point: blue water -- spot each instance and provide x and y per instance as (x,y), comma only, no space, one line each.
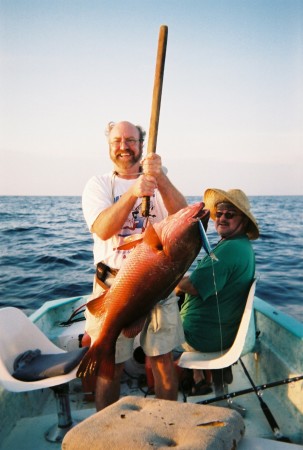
(46,251)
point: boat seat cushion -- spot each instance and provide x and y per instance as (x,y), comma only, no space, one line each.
(32,365)
(146,423)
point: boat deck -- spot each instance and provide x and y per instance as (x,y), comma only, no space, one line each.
(258,435)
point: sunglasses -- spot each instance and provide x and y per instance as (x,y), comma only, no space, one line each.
(227,215)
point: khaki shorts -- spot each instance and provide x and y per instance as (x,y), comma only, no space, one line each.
(162,331)
(185,347)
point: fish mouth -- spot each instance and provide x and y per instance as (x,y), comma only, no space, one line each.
(201,213)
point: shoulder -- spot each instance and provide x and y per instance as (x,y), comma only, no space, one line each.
(234,247)
(237,241)
(98,182)
(99,179)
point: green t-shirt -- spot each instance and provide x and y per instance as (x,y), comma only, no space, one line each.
(203,316)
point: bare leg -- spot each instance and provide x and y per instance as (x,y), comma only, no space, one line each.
(108,391)
(198,375)
(165,376)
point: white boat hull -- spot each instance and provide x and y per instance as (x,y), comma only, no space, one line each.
(277,356)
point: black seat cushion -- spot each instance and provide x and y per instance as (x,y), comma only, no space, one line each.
(32,365)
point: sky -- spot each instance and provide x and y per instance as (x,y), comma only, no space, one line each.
(232,99)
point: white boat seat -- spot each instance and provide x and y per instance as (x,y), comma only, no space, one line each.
(18,334)
(243,343)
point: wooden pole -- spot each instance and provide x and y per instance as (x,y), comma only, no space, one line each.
(156,103)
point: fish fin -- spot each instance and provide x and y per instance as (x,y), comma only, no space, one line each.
(94,363)
(152,238)
(205,218)
(97,306)
(134,328)
(88,365)
(131,242)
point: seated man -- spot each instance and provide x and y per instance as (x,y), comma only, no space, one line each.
(216,291)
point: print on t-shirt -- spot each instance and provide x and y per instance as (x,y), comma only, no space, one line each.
(135,222)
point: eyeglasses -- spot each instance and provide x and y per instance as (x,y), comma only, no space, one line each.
(130,142)
(227,215)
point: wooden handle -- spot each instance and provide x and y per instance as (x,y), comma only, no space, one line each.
(157,93)
(156,103)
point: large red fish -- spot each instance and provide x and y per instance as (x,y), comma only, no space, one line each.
(150,273)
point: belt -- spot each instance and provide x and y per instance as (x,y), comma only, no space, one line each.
(102,273)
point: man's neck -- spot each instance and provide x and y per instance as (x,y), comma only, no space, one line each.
(231,236)
(128,174)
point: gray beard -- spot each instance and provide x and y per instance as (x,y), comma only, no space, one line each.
(121,164)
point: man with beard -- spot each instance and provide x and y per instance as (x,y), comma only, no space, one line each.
(112,209)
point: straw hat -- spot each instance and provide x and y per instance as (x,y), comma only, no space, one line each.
(237,197)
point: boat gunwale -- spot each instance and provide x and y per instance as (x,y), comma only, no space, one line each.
(53,304)
(289,323)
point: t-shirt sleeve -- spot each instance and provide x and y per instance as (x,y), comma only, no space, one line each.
(211,276)
(96,197)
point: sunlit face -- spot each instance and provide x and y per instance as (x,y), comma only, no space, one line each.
(124,146)
(230,221)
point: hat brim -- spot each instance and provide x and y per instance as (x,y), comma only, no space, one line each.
(214,196)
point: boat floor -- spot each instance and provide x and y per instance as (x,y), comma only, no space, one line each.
(28,434)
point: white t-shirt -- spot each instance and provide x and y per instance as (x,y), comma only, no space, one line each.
(101,192)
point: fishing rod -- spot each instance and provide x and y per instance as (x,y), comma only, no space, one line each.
(156,102)
(258,390)
(267,412)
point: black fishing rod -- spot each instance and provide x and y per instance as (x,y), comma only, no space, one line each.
(267,412)
(261,387)
(258,389)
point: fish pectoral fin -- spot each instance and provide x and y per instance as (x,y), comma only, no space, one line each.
(97,305)
(88,365)
(134,328)
(96,362)
(131,242)
(152,238)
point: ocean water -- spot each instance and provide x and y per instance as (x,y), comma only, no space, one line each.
(46,251)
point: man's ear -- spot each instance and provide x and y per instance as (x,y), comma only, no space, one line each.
(245,222)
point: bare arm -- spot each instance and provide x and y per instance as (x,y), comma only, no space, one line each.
(186,286)
(110,221)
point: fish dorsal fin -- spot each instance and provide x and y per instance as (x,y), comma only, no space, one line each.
(97,306)
(131,242)
(152,238)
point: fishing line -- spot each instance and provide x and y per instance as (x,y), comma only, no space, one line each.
(219,315)
(218,308)
(213,258)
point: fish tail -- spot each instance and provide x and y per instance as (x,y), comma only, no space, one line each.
(97,362)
